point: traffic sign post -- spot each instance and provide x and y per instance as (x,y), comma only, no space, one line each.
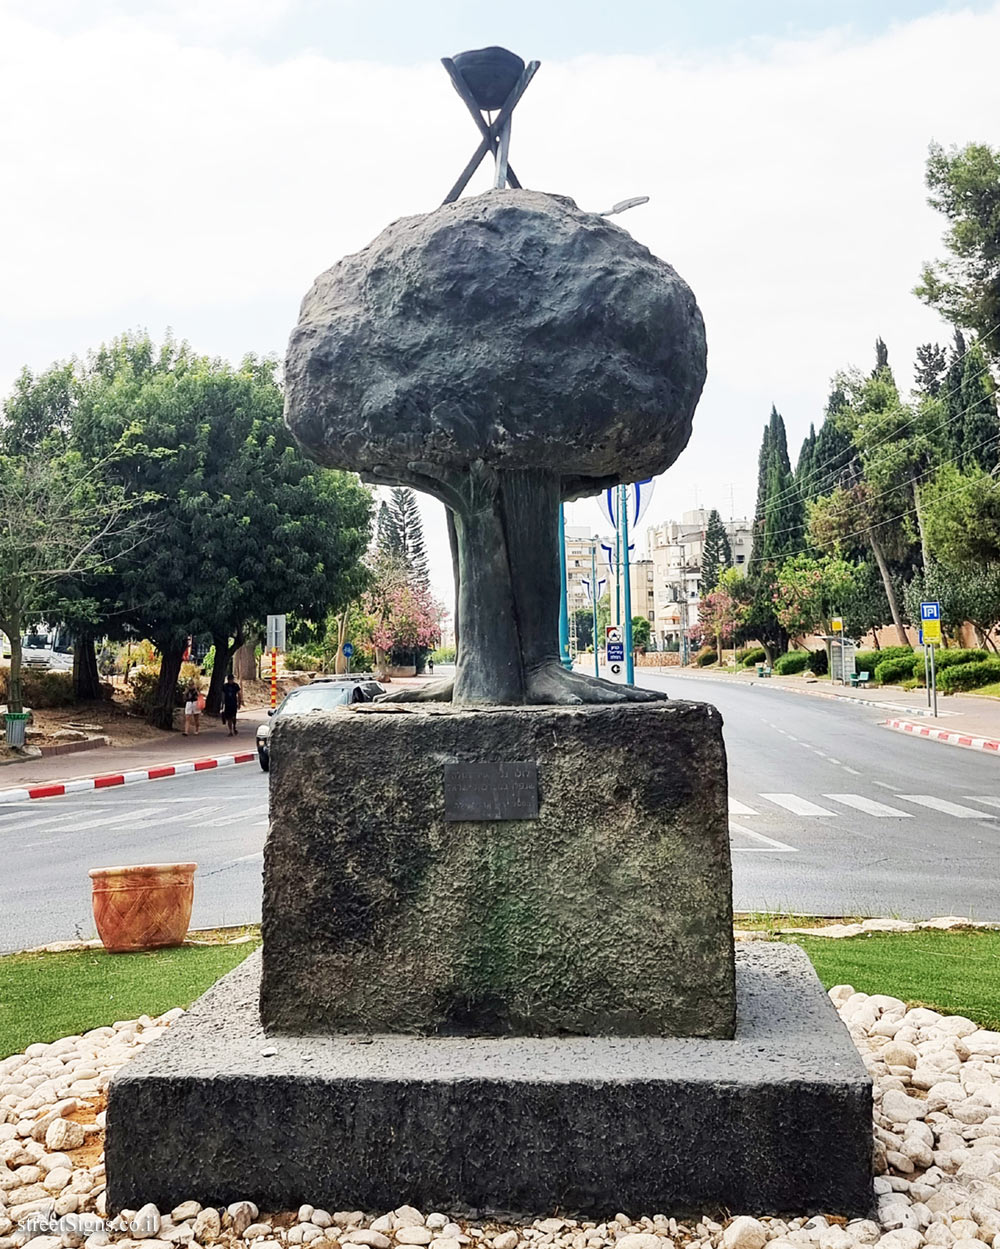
(275,643)
(347,650)
(614,651)
(930,632)
(837,627)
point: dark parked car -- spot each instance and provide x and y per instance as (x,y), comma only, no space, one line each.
(323,694)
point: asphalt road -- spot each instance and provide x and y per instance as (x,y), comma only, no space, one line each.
(830,814)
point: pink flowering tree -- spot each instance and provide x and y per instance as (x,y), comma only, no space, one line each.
(724,609)
(400,613)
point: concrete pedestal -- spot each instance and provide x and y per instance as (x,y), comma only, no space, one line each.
(777,1119)
(610,913)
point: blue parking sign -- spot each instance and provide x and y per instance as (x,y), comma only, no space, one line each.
(930,611)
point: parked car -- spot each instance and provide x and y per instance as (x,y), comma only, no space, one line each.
(323,694)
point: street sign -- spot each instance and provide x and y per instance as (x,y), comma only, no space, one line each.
(276,633)
(348,649)
(931,632)
(614,648)
(837,624)
(930,611)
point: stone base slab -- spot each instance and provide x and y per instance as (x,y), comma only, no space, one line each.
(778,1119)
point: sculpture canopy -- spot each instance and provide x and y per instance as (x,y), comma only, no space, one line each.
(503,352)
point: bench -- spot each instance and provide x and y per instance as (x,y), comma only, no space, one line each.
(859,680)
(763,670)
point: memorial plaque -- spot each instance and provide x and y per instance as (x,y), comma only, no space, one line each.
(491,791)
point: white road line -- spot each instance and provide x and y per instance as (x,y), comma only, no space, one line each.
(832,760)
(238,817)
(738,808)
(103,821)
(31,822)
(990,802)
(945,807)
(797,805)
(869,806)
(853,771)
(768,845)
(185,817)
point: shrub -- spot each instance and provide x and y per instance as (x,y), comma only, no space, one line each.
(41,689)
(956,655)
(705,657)
(868,661)
(818,663)
(893,671)
(446,654)
(302,661)
(791,663)
(143,684)
(969,676)
(190,674)
(751,655)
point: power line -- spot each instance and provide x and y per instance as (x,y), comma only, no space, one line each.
(933,468)
(796,486)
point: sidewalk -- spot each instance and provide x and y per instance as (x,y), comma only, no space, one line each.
(959,715)
(167,748)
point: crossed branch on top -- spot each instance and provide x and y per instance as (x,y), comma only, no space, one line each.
(489,79)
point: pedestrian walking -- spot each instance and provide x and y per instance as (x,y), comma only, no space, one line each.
(232,701)
(192,712)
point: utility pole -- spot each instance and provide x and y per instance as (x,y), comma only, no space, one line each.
(629,659)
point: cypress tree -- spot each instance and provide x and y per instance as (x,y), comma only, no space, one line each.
(716,553)
(386,534)
(980,428)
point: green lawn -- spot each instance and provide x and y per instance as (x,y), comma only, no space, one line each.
(957,973)
(46,996)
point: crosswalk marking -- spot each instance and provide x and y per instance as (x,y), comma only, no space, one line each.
(766,845)
(946,807)
(738,808)
(869,806)
(236,818)
(185,817)
(797,805)
(990,802)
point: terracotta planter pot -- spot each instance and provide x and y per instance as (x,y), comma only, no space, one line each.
(144,907)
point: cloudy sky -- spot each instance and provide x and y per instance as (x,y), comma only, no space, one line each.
(194,164)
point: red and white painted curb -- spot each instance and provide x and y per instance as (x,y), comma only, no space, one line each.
(942,735)
(57,788)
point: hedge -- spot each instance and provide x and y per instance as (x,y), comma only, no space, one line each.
(705,657)
(893,671)
(969,676)
(868,661)
(794,661)
(751,655)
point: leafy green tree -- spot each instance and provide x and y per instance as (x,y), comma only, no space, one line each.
(246,525)
(808,592)
(641,630)
(716,554)
(584,618)
(59,521)
(964,185)
(972,594)
(963,518)
(864,607)
(839,519)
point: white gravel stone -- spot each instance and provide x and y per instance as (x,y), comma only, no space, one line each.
(366,1236)
(408,1216)
(745,1233)
(639,1240)
(506,1240)
(207,1225)
(413,1235)
(64,1134)
(900,1108)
